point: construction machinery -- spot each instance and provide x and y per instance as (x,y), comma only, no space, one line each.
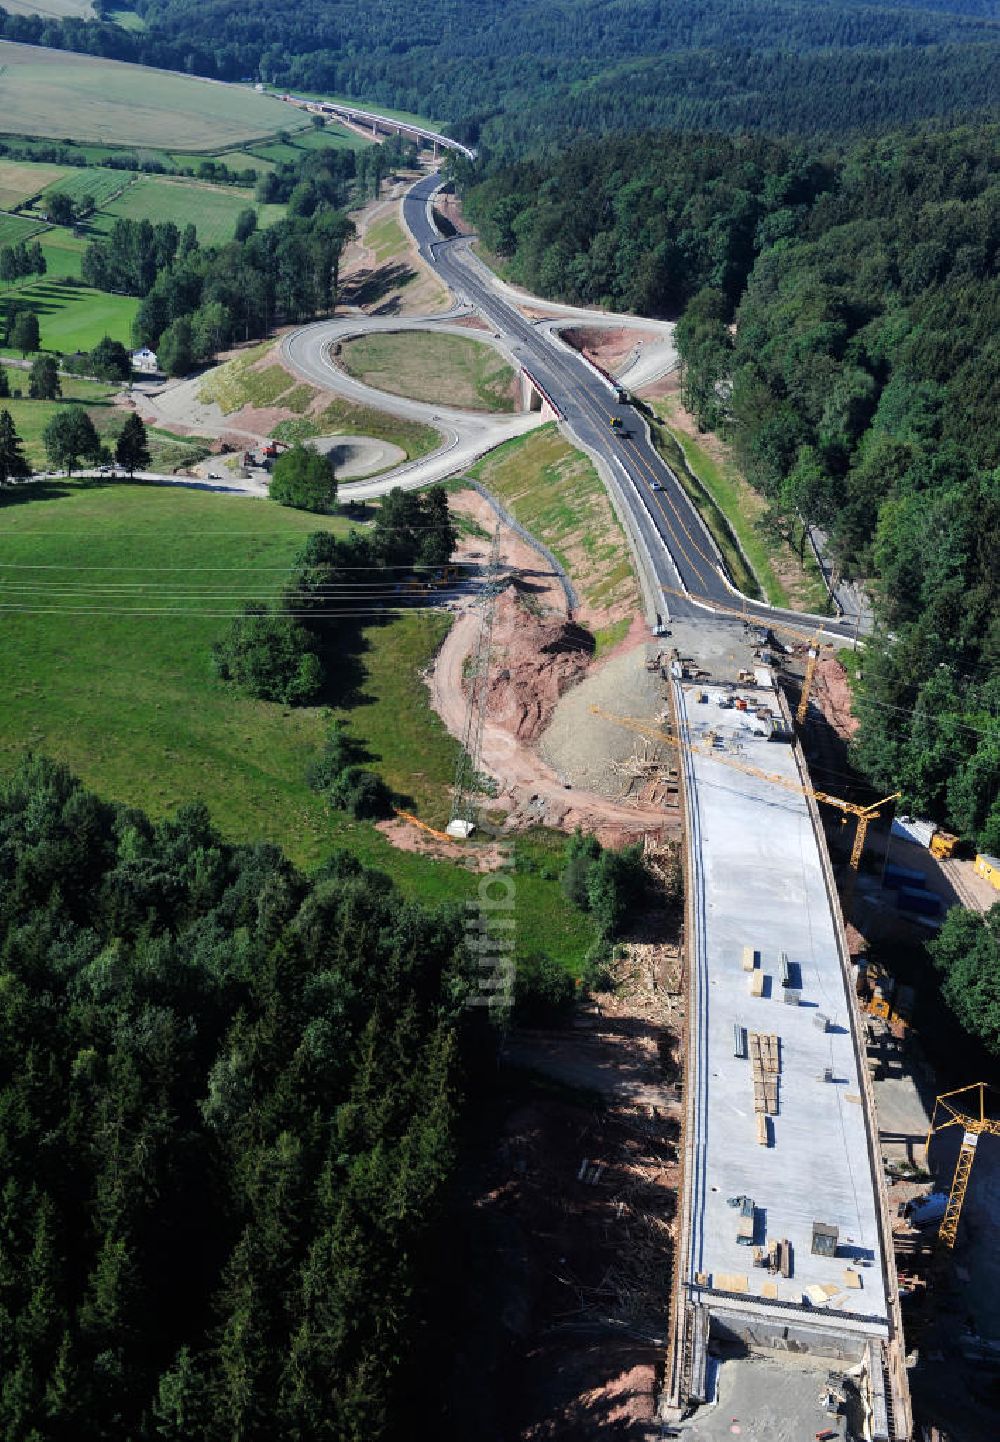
(863,815)
(812,638)
(964,1107)
(881,996)
(943,845)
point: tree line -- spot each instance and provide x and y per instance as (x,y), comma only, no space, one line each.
(839,312)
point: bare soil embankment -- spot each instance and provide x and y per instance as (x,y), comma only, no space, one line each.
(538,657)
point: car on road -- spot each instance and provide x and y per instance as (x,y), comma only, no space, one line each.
(656,485)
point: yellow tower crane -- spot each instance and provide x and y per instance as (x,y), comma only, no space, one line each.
(863,814)
(813,638)
(974,1123)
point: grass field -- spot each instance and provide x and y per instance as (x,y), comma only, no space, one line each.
(73,317)
(14,228)
(733,512)
(54,9)
(131,703)
(331,137)
(212,209)
(31,417)
(332,134)
(21,179)
(554,491)
(63,252)
(243,381)
(446,370)
(128,20)
(245,160)
(55,93)
(94,184)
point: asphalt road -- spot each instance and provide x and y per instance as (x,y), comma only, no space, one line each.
(668,530)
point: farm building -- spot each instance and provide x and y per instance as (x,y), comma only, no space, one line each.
(145,362)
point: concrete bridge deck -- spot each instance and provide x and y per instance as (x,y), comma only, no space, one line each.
(762,910)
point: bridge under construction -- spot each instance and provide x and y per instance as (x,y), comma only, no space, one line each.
(785,1240)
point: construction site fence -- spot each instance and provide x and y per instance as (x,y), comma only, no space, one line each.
(507,519)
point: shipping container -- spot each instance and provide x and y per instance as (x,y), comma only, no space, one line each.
(897,876)
(924,903)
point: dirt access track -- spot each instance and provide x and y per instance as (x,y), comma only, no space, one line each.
(537,655)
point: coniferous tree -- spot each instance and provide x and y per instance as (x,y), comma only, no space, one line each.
(13,462)
(132,445)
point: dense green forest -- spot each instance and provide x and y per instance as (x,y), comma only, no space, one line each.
(840,314)
(516,76)
(228,1108)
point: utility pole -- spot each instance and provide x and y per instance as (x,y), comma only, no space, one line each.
(463,807)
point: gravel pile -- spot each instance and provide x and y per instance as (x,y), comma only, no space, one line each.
(581,746)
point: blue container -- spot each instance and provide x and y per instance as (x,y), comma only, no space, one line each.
(897,876)
(924,903)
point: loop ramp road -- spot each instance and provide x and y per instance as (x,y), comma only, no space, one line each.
(677,557)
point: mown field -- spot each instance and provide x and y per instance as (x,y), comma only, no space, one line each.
(20,180)
(211,209)
(94,184)
(55,93)
(57,9)
(107,667)
(72,316)
(13,228)
(447,370)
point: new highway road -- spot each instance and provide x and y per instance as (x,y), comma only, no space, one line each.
(668,531)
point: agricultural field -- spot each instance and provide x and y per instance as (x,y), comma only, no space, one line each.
(212,209)
(55,93)
(448,370)
(73,317)
(63,252)
(161,730)
(54,9)
(93,183)
(22,179)
(554,490)
(14,228)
